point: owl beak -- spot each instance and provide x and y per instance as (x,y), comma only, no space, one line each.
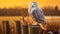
(32,6)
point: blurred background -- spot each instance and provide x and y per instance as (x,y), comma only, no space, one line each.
(17,10)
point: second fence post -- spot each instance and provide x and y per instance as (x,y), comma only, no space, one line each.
(25,29)
(18,27)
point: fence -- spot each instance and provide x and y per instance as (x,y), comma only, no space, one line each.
(20,29)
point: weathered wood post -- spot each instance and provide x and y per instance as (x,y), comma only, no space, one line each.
(6,27)
(18,27)
(35,29)
(25,29)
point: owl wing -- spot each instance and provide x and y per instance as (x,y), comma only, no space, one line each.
(38,16)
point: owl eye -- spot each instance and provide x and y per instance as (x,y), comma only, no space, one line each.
(34,4)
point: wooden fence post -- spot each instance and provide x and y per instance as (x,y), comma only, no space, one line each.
(18,27)
(25,29)
(6,27)
(35,29)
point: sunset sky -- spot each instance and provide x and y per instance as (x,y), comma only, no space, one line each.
(24,3)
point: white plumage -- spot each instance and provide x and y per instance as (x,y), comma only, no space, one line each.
(36,13)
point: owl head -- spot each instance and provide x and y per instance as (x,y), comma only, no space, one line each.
(33,4)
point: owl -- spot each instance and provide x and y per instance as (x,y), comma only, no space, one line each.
(36,13)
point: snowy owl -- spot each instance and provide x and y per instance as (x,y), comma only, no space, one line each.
(36,13)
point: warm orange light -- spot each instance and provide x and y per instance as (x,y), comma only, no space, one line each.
(24,3)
